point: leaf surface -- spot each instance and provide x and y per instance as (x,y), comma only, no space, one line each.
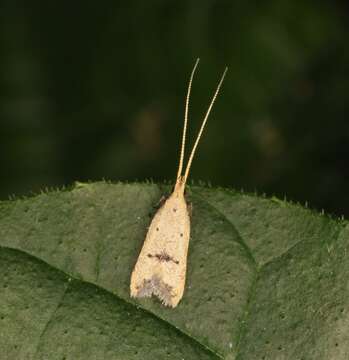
(266,279)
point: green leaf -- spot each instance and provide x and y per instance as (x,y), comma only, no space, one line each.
(266,279)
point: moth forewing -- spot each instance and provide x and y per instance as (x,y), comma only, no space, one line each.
(162,263)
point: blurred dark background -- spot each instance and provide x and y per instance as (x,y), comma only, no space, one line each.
(92,90)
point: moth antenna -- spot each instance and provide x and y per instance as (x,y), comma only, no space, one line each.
(203,126)
(180,167)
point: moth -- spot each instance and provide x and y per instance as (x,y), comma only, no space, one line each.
(162,263)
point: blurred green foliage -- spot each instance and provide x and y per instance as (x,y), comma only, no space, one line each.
(96,90)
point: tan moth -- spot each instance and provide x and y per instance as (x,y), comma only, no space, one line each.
(162,263)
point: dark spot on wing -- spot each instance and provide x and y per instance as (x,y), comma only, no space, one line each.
(163,257)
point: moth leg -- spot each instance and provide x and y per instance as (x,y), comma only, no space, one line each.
(157,206)
(160,202)
(190,209)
